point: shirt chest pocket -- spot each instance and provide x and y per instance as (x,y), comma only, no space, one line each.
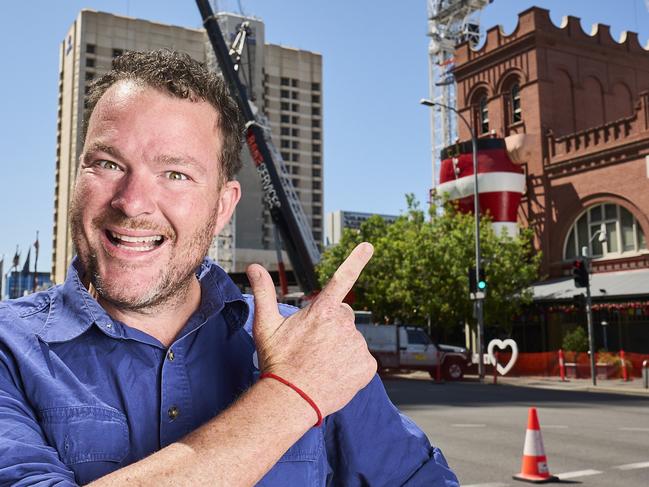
(303,464)
(83,434)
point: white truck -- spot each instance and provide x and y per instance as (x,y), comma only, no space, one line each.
(403,347)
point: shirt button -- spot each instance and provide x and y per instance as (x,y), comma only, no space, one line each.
(170,355)
(173,412)
(109,325)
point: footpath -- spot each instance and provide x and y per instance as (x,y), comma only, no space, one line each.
(609,386)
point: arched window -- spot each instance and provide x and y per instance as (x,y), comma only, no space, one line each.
(483,115)
(515,103)
(623,233)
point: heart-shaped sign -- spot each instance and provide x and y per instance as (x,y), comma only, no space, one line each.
(502,344)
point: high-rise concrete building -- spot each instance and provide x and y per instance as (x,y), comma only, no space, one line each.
(284,82)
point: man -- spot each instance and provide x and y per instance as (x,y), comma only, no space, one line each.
(142,368)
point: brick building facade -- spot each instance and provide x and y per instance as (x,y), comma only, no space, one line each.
(582,101)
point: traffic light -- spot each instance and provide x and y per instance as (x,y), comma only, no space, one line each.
(579,301)
(480,284)
(580,273)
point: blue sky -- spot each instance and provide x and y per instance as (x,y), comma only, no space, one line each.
(376,135)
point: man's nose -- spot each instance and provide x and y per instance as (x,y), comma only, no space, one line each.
(135,195)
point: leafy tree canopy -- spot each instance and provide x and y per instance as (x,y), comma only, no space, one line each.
(420,267)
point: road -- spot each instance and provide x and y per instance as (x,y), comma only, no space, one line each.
(592,439)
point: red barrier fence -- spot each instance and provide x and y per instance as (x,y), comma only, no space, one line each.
(576,364)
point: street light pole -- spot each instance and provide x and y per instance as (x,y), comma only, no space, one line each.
(585,252)
(479,300)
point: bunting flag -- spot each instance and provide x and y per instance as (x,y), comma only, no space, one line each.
(16,260)
(36,246)
(26,266)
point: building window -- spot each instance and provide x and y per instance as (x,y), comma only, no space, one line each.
(90,48)
(623,233)
(315,135)
(285,144)
(295,132)
(315,98)
(316,148)
(316,198)
(295,144)
(315,123)
(89,76)
(286,156)
(286,119)
(295,107)
(295,170)
(296,183)
(90,62)
(295,95)
(294,83)
(285,131)
(284,82)
(117,52)
(315,86)
(515,101)
(316,159)
(315,111)
(285,105)
(284,93)
(483,115)
(315,185)
(295,158)
(295,120)
(316,173)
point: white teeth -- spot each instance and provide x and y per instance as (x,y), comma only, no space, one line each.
(137,249)
(125,238)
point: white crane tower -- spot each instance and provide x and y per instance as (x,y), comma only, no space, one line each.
(450,22)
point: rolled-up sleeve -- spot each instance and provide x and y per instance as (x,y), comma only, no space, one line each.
(369,442)
(25,456)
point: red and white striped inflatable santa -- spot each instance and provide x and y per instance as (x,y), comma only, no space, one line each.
(501,182)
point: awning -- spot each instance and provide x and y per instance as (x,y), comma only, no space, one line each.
(604,285)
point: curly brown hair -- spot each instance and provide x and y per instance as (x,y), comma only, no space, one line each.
(181,76)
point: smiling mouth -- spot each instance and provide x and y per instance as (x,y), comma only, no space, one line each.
(143,243)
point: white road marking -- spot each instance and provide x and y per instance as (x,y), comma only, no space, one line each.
(555,426)
(633,429)
(493,484)
(632,466)
(578,473)
(469,425)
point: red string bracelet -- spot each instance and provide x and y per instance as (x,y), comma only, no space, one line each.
(303,394)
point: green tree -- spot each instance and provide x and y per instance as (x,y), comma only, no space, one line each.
(420,267)
(576,340)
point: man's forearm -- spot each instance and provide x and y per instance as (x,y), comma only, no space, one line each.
(236,448)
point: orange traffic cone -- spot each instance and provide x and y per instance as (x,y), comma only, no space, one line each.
(534,467)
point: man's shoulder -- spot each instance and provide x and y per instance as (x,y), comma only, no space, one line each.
(26,315)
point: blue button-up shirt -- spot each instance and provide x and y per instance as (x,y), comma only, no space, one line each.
(82,395)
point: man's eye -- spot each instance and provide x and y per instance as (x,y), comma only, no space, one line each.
(177,176)
(110,165)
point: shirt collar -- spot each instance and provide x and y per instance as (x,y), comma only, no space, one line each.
(73,310)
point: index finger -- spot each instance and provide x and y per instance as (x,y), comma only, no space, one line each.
(346,275)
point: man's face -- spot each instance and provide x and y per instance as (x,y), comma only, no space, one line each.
(149,195)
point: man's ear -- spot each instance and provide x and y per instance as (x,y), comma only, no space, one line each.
(228,199)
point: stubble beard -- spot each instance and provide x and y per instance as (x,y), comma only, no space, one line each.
(174,278)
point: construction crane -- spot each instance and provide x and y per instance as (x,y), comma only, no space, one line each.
(450,22)
(279,195)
